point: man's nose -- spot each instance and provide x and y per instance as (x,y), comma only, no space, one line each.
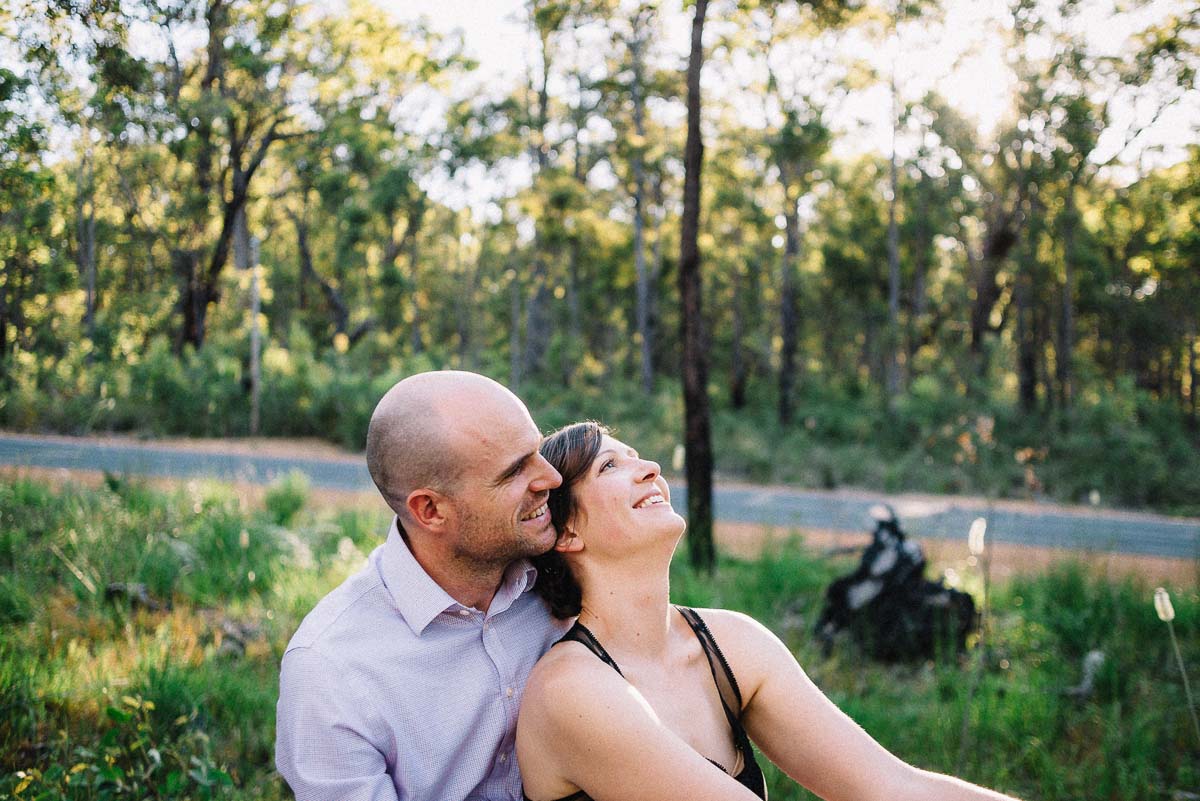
(547,479)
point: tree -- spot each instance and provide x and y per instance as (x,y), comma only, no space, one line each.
(26,218)
(697,427)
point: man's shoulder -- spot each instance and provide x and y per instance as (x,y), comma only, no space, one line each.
(354,609)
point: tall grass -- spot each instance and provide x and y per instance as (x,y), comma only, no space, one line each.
(104,696)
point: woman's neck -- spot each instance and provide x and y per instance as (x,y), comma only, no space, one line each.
(628,612)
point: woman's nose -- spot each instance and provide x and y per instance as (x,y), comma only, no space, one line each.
(650,470)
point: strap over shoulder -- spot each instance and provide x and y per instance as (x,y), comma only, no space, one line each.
(731,696)
(582,634)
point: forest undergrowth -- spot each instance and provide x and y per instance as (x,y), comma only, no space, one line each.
(141,632)
(1117,447)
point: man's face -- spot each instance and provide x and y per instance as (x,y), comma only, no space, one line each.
(501,494)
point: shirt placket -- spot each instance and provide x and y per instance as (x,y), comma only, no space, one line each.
(506,689)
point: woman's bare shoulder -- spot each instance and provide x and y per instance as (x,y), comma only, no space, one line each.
(568,676)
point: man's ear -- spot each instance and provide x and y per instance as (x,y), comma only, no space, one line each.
(568,542)
(427,507)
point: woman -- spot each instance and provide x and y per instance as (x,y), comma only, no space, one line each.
(644,700)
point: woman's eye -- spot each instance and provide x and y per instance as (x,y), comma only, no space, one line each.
(607,464)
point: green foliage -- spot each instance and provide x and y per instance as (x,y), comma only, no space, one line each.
(286,497)
(366,277)
(1130,740)
(120,700)
(16,606)
(111,702)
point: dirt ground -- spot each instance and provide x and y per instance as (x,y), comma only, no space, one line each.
(739,539)
(1007,560)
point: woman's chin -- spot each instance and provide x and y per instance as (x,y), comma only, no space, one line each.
(676,527)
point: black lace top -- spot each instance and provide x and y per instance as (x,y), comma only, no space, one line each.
(751,775)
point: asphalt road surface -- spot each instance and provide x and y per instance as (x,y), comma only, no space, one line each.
(1042,525)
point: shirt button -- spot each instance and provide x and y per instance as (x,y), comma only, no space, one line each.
(464,612)
(504,757)
(508,691)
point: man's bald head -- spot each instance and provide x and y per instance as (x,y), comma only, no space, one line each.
(416,432)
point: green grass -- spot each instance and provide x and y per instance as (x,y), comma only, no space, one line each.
(107,699)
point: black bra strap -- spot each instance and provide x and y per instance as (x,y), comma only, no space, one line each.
(727,687)
(582,634)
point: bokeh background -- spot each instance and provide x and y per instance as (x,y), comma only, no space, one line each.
(945,247)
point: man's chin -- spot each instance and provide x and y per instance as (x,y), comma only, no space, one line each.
(540,539)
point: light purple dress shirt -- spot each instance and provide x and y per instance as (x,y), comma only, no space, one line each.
(391,689)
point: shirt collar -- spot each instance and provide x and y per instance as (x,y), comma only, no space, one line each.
(420,599)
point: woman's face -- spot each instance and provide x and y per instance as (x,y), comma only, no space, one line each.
(624,495)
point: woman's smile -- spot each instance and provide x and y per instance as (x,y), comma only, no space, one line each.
(653,499)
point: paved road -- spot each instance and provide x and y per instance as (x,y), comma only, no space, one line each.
(940,517)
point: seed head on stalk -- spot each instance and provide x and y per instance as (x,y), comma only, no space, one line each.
(1166,613)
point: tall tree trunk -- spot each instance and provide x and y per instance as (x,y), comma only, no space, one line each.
(85,221)
(1066,321)
(656,271)
(414,266)
(5,279)
(515,353)
(195,293)
(698,436)
(1193,371)
(892,354)
(920,293)
(639,210)
(536,306)
(1000,237)
(737,356)
(466,322)
(869,357)
(1044,335)
(537,320)
(789,304)
(245,257)
(1026,352)
(1026,334)
(194,297)
(573,347)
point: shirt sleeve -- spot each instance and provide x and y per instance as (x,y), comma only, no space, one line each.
(323,745)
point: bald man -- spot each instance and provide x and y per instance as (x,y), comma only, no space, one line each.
(405,681)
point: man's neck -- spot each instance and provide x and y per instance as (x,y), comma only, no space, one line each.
(473,585)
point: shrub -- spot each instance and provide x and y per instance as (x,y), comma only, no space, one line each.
(286,496)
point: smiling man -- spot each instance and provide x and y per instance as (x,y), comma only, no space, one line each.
(405,681)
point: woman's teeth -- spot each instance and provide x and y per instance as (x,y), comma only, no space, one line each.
(652,500)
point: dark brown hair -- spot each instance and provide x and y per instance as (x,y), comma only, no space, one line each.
(571,450)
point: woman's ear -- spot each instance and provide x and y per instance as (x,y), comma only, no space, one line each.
(568,542)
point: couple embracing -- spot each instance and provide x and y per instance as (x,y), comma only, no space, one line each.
(513,637)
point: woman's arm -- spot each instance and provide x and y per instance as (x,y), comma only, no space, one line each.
(806,735)
(583,727)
